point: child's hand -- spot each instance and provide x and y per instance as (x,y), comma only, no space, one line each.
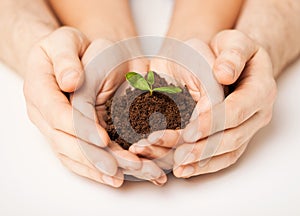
(191,65)
(102,80)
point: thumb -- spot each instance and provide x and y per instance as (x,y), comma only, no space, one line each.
(65,48)
(233,50)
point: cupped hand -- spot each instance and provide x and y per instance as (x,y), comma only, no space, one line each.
(218,135)
(55,69)
(190,64)
(246,66)
(106,65)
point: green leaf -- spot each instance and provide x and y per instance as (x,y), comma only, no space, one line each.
(137,81)
(150,77)
(168,89)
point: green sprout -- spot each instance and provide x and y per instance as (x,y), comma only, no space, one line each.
(139,82)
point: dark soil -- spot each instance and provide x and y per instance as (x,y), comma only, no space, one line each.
(136,114)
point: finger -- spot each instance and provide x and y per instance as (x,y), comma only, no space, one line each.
(236,109)
(56,109)
(125,159)
(77,150)
(150,151)
(203,105)
(166,162)
(209,166)
(228,141)
(84,153)
(102,115)
(232,49)
(165,138)
(82,170)
(149,171)
(65,47)
(40,89)
(162,156)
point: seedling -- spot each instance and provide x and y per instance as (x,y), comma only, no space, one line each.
(139,82)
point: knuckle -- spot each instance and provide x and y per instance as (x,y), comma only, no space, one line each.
(225,34)
(237,54)
(236,115)
(67,31)
(237,141)
(66,55)
(267,90)
(239,115)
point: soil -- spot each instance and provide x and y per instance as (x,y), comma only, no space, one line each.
(136,114)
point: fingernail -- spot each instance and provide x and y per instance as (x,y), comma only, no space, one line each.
(187,171)
(108,180)
(226,69)
(67,76)
(191,134)
(161,180)
(143,142)
(150,175)
(136,148)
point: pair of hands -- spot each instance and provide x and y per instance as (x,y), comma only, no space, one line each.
(55,65)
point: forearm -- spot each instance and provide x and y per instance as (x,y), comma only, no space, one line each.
(22,24)
(275,25)
(109,19)
(203,19)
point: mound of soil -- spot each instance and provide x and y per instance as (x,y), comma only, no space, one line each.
(136,114)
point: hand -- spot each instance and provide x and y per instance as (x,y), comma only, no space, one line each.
(204,89)
(54,67)
(102,80)
(243,63)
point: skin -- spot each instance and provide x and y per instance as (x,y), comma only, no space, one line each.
(49,60)
(94,11)
(114,28)
(97,19)
(203,19)
(251,58)
(259,58)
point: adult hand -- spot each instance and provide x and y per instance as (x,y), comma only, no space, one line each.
(54,67)
(102,80)
(242,62)
(244,111)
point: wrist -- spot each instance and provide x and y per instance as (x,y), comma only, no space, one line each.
(113,32)
(198,19)
(24,36)
(186,32)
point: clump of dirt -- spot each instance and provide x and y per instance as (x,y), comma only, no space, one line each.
(136,114)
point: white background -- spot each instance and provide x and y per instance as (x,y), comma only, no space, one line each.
(265,181)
